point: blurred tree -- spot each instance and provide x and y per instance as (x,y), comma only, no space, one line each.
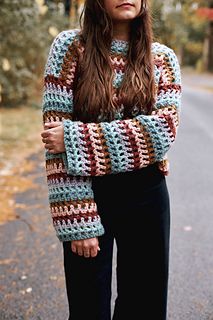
(74,13)
(210,56)
(70,8)
(76,8)
(208,42)
(27,28)
(67,6)
(177,25)
(18,51)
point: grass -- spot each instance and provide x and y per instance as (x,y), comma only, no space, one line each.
(20,130)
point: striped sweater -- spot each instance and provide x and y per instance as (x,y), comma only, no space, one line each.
(105,147)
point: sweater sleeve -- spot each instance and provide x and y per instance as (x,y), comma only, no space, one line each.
(125,145)
(71,199)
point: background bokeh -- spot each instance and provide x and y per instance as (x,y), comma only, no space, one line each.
(27,28)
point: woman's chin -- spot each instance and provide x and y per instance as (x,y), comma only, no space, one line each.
(125,16)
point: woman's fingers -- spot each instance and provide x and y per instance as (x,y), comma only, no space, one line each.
(80,252)
(52,124)
(77,248)
(53,137)
(73,247)
(86,253)
(87,247)
(94,252)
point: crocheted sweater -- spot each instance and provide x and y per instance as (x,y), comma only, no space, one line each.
(102,148)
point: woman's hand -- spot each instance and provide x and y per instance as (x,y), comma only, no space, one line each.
(53,137)
(87,247)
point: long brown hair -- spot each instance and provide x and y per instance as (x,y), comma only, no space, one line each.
(93,90)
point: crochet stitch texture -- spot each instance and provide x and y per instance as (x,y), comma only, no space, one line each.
(106,147)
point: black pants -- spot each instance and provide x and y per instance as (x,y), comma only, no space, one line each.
(135,211)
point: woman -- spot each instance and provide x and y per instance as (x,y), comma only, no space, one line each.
(111,112)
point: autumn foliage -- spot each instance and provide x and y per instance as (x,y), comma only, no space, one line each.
(206,13)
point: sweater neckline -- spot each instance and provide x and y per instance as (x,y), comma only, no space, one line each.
(120,41)
(119,46)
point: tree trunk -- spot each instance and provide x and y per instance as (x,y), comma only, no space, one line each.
(210,52)
(208,44)
(76,6)
(67,7)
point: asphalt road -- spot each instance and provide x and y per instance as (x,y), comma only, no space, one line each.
(32,283)
(191,192)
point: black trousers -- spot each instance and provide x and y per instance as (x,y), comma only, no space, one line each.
(135,211)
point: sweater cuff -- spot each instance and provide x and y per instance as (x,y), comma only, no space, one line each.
(72,159)
(78,230)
